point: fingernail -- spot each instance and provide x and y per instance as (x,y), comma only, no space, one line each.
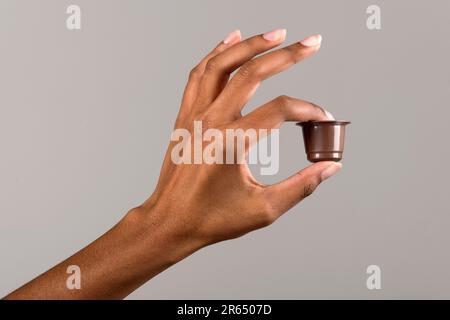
(312,41)
(233,37)
(277,34)
(331,170)
(329,115)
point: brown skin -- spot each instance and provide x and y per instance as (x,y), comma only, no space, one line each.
(197,205)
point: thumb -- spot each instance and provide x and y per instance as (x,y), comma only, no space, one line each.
(287,193)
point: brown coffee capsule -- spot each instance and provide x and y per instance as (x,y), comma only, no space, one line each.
(324,140)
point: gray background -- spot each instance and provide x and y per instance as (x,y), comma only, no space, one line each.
(85,117)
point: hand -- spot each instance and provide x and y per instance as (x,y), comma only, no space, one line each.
(195,205)
(207,203)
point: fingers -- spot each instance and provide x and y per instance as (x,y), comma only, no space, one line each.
(283,108)
(286,194)
(191,90)
(219,68)
(242,86)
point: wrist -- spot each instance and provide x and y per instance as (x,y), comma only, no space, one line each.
(159,237)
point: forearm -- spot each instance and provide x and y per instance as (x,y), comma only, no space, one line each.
(135,250)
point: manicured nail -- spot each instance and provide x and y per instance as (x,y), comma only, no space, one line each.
(233,37)
(331,170)
(329,115)
(312,41)
(277,34)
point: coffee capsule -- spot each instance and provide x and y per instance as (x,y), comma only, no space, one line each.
(324,140)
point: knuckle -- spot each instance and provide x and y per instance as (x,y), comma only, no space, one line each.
(195,72)
(252,44)
(267,215)
(248,70)
(266,218)
(308,189)
(283,103)
(283,100)
(263,215)
(212,65)
(294,54)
